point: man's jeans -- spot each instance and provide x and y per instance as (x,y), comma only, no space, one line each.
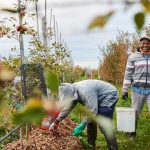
(92,129)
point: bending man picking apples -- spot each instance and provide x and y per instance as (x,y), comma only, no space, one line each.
(98,97)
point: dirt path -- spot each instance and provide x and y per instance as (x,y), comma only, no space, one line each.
(60,139)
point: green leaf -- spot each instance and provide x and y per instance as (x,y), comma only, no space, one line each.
(100,21)
(146,5)
(32,112)
(52,82)
(139,20)
(29,116)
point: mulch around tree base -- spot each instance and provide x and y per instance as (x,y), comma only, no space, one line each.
(60,139)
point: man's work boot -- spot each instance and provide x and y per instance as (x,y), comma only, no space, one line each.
(112,143)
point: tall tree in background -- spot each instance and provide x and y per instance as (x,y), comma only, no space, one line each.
(114,58)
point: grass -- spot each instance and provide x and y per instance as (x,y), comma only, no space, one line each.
(141,142)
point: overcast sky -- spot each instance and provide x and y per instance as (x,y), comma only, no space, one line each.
(73,17)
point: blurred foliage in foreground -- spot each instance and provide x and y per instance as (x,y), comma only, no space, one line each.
(139,17)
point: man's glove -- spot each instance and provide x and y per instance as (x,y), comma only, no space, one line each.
(53,126)
(78,130)
(125,96)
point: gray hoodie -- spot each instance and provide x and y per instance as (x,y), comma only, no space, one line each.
(90,93)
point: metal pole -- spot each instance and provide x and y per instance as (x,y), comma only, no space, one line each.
(45,10)
(45,25)
(21,35)
(37,18)
(54,31)
(21,139)
(23,86)
(50,28)
(44,29)
(7,135)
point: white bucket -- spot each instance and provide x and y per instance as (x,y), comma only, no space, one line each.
(125,119)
